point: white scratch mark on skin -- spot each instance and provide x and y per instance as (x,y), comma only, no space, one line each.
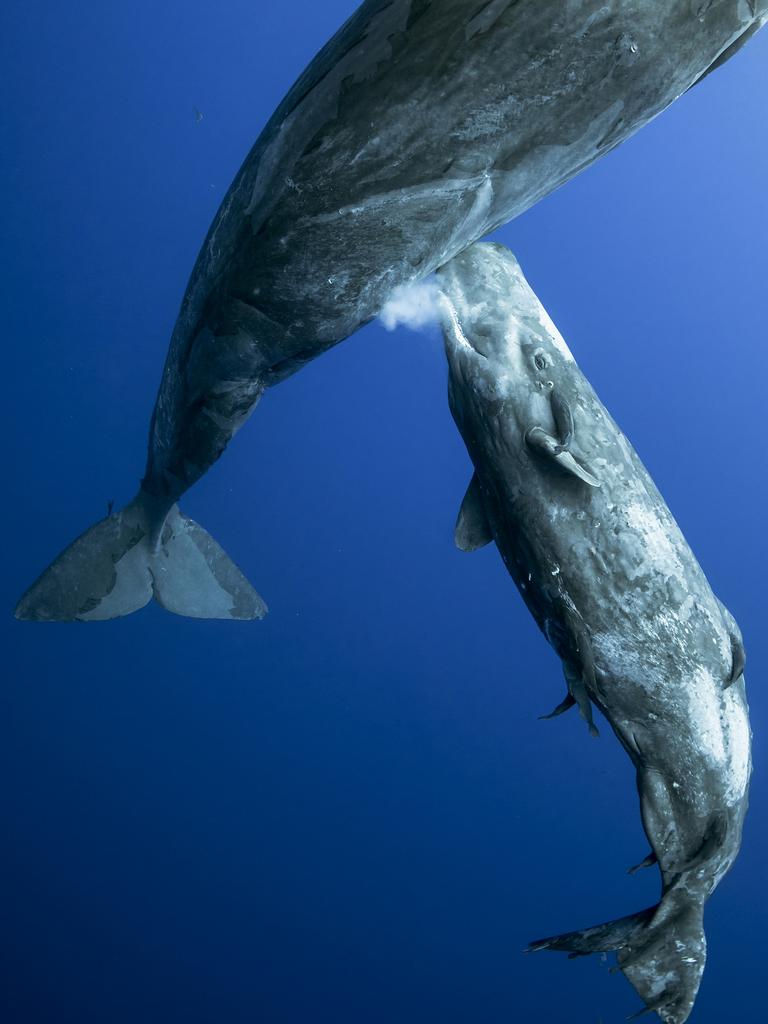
(453,320)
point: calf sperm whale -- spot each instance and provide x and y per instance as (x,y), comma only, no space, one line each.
(421,126)
(617,592)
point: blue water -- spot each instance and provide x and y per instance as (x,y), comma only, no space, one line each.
(348,813)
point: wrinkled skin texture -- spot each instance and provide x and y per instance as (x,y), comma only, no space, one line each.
(613,585)
(421,126)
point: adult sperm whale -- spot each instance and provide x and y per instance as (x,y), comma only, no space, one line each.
(421,126)
(611,582)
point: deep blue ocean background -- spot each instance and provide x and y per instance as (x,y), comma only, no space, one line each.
(348,813)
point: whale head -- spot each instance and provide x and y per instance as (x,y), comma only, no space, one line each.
(499,339)
(513,384)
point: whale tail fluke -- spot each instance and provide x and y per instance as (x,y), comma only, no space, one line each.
(194,576)
(661,951)
(125,560)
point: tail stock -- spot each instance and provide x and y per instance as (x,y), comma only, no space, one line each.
(661,951)
(121,562)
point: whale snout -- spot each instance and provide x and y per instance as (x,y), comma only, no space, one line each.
(491,311)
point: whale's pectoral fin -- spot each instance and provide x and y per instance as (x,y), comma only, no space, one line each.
(578,689)
(648,862)
(739,658)
(566,704)
(738,654)
(472,529)
(657,1006)
(119,564)
(544,444)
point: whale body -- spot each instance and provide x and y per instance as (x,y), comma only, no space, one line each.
(421,126)
(617,592)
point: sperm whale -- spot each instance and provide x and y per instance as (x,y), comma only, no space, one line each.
(421,126)
(614,587)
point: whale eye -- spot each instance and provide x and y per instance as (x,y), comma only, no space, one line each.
(540,361)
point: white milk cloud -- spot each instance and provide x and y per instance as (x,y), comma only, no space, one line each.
(412,305)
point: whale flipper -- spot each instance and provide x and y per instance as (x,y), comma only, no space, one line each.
(647,862)
(121,562)
(566,704)
(738,654)
(472,529)
(577,687)
(661,951)
(544,444)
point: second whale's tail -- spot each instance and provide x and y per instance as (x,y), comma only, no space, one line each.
(123,561)
(661,951)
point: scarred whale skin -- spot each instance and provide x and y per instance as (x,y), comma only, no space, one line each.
(421,126)
(613,585)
